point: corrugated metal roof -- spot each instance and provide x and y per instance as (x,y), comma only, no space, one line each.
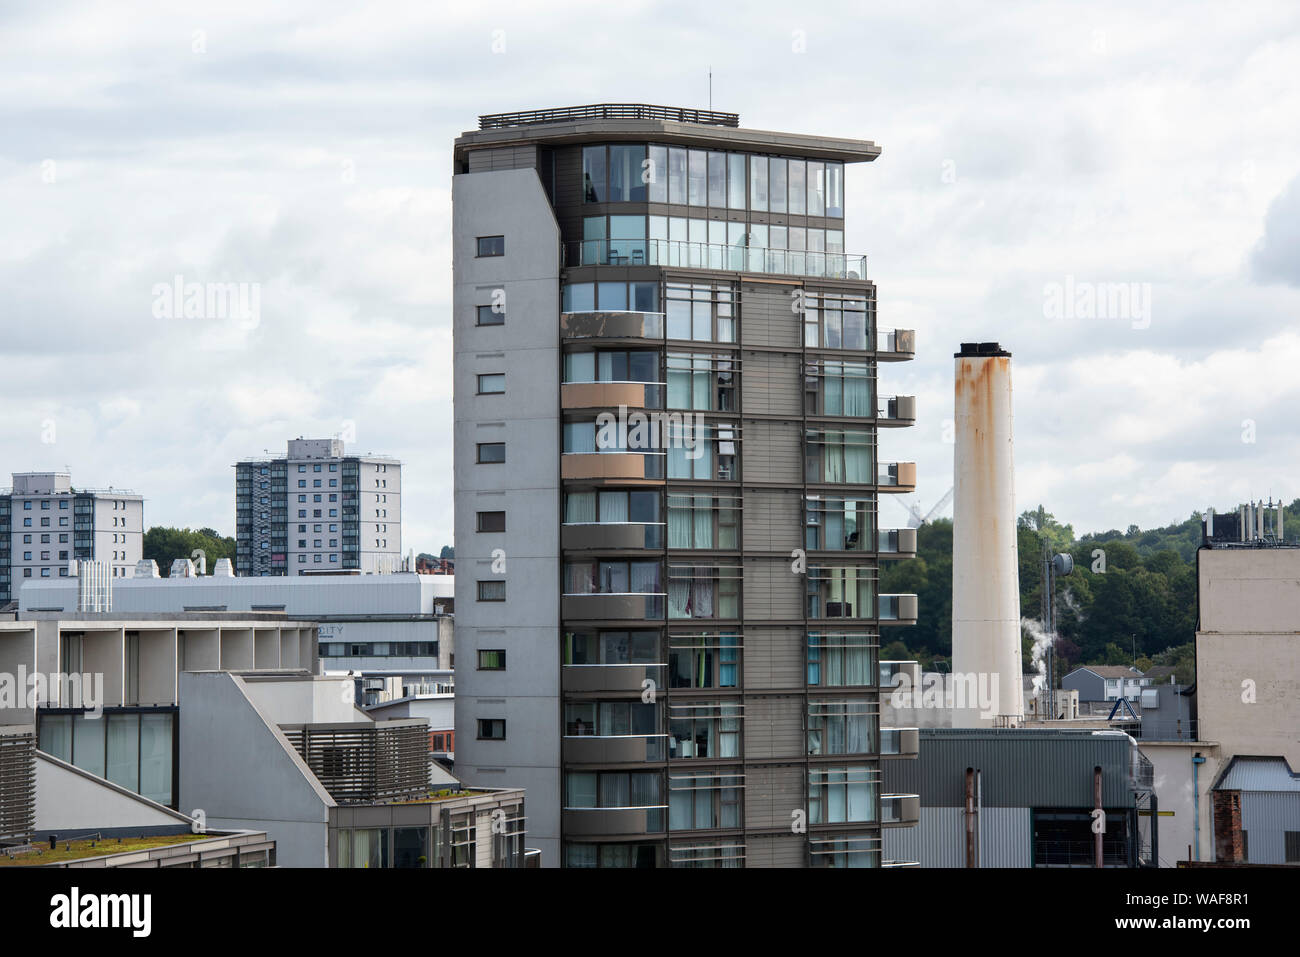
(1023,767)
(1259,774)
(939,838)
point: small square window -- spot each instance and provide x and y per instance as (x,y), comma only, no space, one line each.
(492,590)
(492,384)
(491,521)
(491,729)
(302,559)
(491,659)
(491,316)
(491,246)
(491,453)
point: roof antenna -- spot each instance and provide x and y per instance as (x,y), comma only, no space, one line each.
(710,89)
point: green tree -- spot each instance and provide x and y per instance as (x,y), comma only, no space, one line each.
(164,545)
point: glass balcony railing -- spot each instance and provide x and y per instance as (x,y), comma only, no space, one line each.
(897,541)
(611,324)
(897,409)
(900,809)
(611,536)
(896,344)
(899,742)
(899,608)
(897,475)
(668,252)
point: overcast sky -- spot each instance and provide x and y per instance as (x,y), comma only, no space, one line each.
(306,147)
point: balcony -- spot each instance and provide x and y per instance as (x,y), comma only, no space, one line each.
(718,257)
(897,410)
(897,542)
(611,395)
(613,821)
(611,536)
(897,609)
(900,810)
(621,606)
(585,678)
(366,763)
(897,477)
(614,749)
(899,742)
(632,468)
(897,345)
(611,325)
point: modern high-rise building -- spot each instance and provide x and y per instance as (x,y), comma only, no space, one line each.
(317,510)
(667,478)
(45,523)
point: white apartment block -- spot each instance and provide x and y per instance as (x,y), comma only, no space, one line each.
(317,510)
(45,523)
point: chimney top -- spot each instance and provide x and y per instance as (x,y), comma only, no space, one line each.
(980,349)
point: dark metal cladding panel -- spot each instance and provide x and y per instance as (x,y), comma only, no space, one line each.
(1020,768)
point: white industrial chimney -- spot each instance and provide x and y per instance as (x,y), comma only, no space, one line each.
(985,572)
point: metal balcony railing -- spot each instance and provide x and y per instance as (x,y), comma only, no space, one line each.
(608,111)
(686,255)
(366,763)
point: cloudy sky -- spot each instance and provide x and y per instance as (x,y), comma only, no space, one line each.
(306,147)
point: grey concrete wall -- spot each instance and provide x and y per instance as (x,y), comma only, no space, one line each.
(69,800)
(242,772)
(526,348)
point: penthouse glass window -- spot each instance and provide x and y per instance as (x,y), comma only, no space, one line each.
(593,175)
(842,660)
(842,726)
(613,297)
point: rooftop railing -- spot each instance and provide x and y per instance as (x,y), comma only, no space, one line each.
(608,111)
(686,255)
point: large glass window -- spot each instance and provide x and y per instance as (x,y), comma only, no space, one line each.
(840,456)
(832,387)
(612,578)
(625,168)
(591,789)
(842,659)
(704,729)
(703,520)
(697,191)
(776,184)
(837,524)
(758,183)
(704,801)
(698,591)
(658,174)
(835,190)
(842,795)
(627,240)
(677,175)
(718,180)
(736,181)
(816,188)
(612,365)
(700,311)
(702,382)
(840,591)
(611,648)
(595,250)
(842,726)
(637,296)
(610,718)
(798,187)
(703,661)
(593,175)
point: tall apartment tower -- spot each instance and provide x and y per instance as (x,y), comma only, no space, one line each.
(669,635)
(45,523)
(317,510)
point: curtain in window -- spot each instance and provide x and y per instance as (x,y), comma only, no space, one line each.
(703,464)
(833,454)
(613,507)
(857,458)
(857,662)
(703,511)
(580,507)
(580,437)
(643,790)
(834,665)
(700,384)
(645,577)
(614,578)
(728,661)
(861,797)
(679,806)
(579,578)
(835,733)
(836,797)
(581,789)
(679,598)
(857,737)
(702,596)
(857,391)
(679,465)
(834,516)
(729,738)
(615,790)
(679,388)
(833,387)
(680,522)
